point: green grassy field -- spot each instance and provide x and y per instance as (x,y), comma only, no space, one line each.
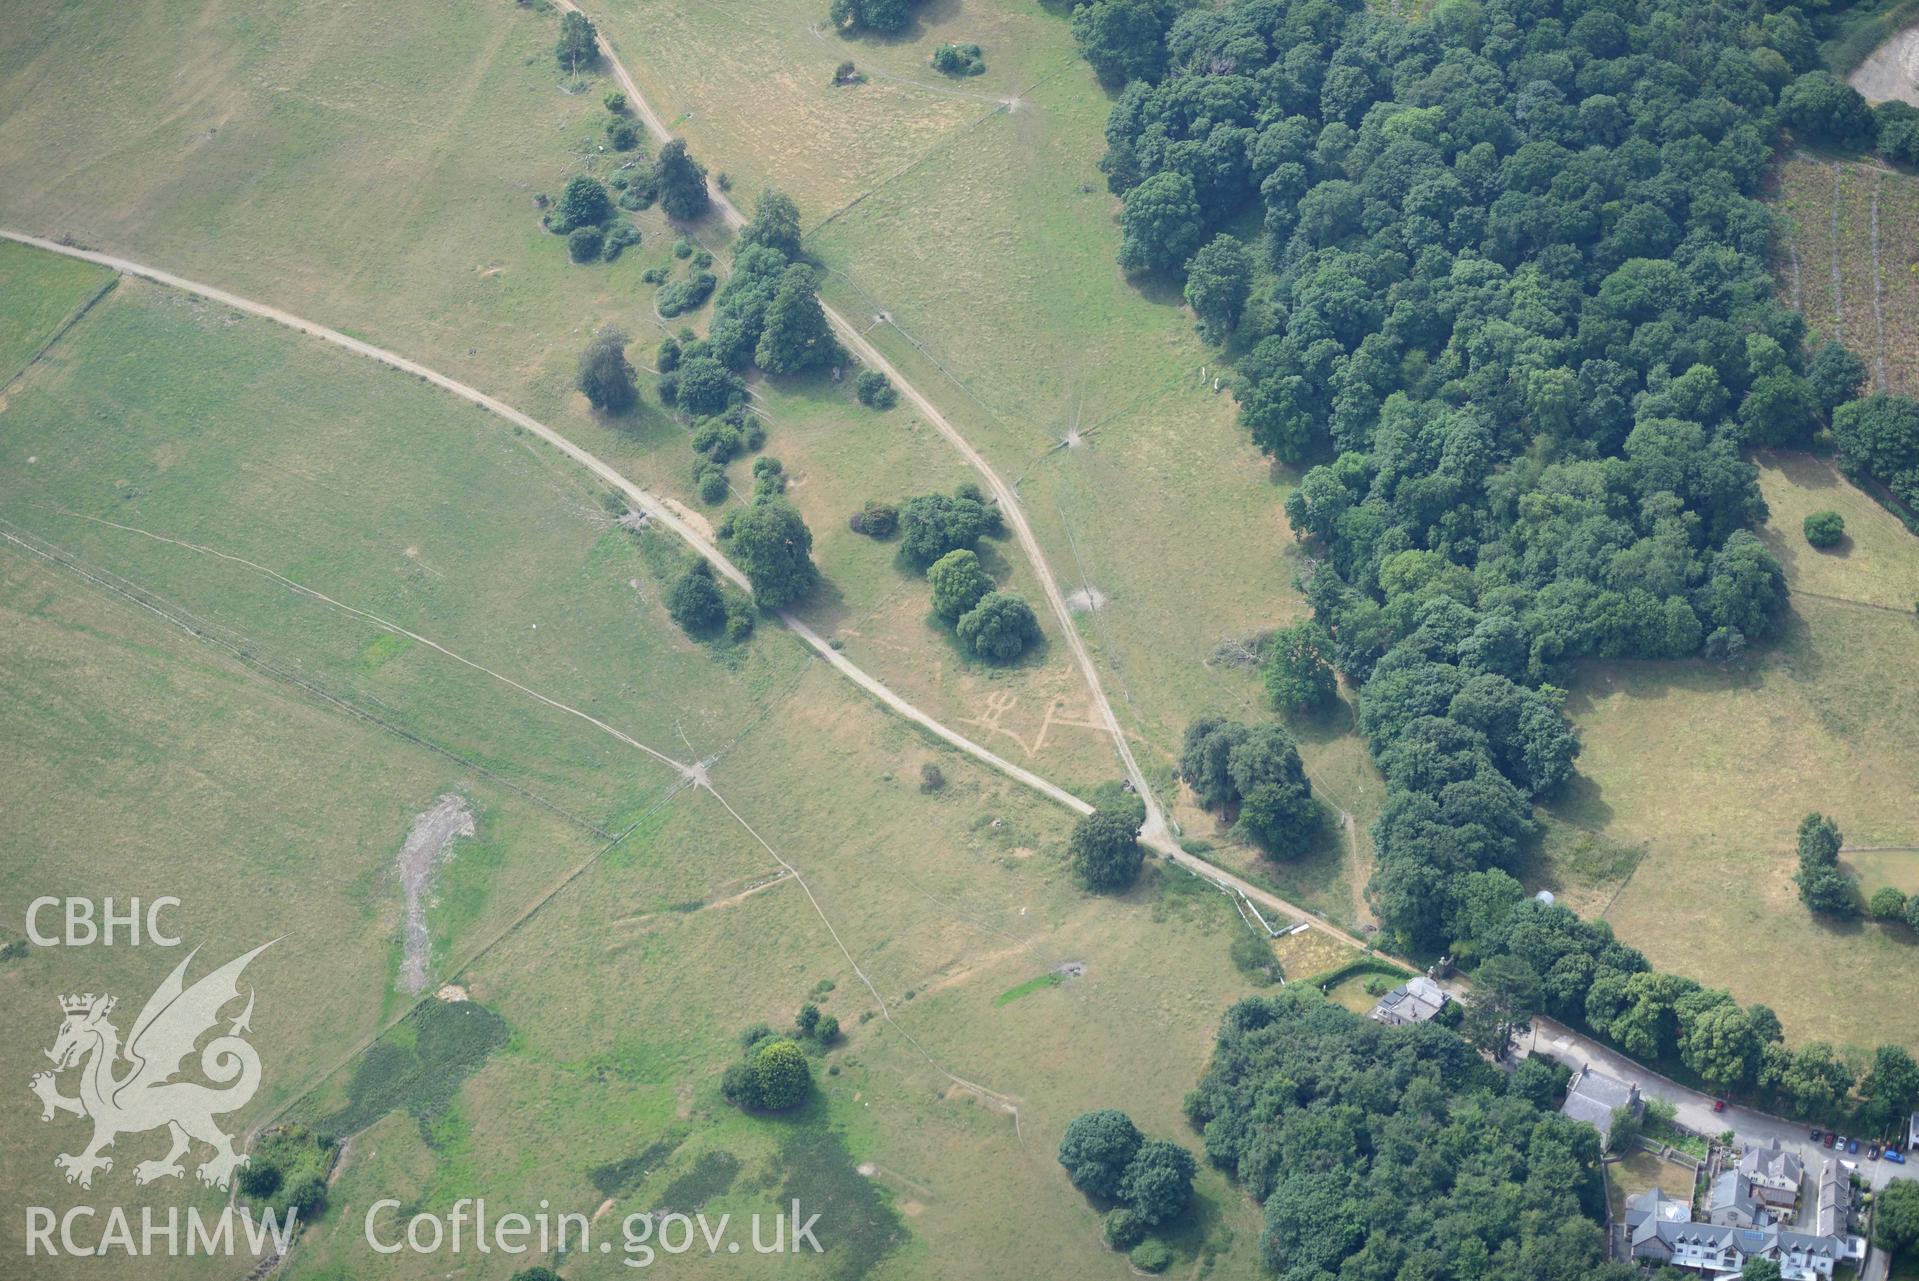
(43,292)
(1711,769)
(461,111)
(263,748)
(943,904)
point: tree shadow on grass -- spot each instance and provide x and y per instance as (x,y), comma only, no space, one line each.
(824,609)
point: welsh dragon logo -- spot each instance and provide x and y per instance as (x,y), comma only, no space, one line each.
(146,1096)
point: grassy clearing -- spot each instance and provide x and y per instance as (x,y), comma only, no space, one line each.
(38,293)
(1311,952)
(1353,994)
(751,87)
(1821,720)
(1877,564)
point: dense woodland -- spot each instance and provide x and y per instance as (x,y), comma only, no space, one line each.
(1398,1154)
(1497,280)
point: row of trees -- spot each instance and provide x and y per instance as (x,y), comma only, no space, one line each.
(1829,891)
(1537,957)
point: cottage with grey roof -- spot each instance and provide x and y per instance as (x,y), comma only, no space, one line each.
(1416,1000)
(1594,1097)
(1731,1204)
(1774,1174)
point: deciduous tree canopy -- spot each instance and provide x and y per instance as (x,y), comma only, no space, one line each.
(1395,1153)
(773,547)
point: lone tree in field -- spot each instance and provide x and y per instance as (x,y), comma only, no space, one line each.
(779,1066)
(1000,627)
(1822,885)
(695,601)
(680,181)
(1096,1149)
(1219,280)
(605,379)
(875,390)
(576,48)
(1105,851)
(1825,529)
(959,582)
(774,547)
(796,337)
(775,224)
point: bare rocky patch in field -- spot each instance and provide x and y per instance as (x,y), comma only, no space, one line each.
(428,845)
(1890,71)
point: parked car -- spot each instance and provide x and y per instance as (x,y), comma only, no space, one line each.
(1895,1156)
(1872,1153)
(1719,1105)
(1828,1140)
(1817,1135)
(1852,1145)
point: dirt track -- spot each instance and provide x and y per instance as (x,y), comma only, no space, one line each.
(1156,833)
(654,507)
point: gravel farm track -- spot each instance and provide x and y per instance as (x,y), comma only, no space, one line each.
(658,510)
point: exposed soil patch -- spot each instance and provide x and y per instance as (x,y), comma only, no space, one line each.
(427,846)
(1890,71)
(1086,598)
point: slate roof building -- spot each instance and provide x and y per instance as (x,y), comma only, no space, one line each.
(1731,1204)
(1773,1173)
(1834,1207)
(1661,1229)
(1593,1097)
(1414,1001)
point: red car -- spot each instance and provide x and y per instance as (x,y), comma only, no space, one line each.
(1719,1105)
(1828,1140)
